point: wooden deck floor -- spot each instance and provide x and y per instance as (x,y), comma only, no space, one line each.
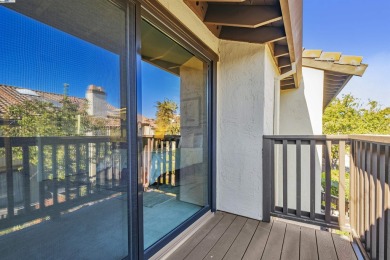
(228,236)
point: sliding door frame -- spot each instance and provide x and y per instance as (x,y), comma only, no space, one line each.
(158,16)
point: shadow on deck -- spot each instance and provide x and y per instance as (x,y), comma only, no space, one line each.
(228,236)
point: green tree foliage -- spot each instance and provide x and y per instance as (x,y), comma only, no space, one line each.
(167,121)
(40,118)
(348,115)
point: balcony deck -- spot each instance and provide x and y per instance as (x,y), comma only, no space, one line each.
(228,236)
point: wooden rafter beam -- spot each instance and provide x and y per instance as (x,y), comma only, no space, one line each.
(284,62)
(257,35)
(242,15)
(334,67)
(286,82)
(280,50)
(225,1)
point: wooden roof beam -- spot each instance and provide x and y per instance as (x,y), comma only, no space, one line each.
(242,15)
(284,62)
(225,1)
(333,67)
(257,35)
(280,50)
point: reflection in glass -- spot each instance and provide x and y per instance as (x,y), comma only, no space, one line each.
(174,128)
(63,168)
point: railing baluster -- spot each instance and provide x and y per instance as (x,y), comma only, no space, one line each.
(285,186)
(97,158)
(106,179)
(171,178)
(272,173)
(299,170)
(55,173)
(78,161)
(10,177)
(312,178)
(362,190)
(41,174)
(67,175)
(328,167)
(387,203)
(372,170)
(381,205)
(87,173)
(341,205)
(352,184)
(370,155)
(26,179)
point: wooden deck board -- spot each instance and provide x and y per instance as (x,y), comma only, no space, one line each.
(201,250)
(222,246)
(195,239)
(325,245)
(290,249)
(274,246)
(308,244)
(256,247)
(228,236)
(239,246)
(343,248)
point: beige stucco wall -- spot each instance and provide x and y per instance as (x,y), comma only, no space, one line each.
(245,99)
(301,114)
(245,112)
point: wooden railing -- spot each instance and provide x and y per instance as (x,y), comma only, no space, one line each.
(160,158)
(370,170)
(315,146)
(44,176)
(367,172)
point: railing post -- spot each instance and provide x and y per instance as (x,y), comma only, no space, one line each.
(299,173)
(312,178)
(341,205)
(267,175)
(285,179)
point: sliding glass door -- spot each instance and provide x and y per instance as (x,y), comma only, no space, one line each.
(175,168)
(63,148)
(104,131)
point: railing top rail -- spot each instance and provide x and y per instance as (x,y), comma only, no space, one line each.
(308,137)
(368,138)
(371,138)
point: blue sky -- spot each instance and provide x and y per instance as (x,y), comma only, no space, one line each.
(354,27)
(351,27)
(39,57)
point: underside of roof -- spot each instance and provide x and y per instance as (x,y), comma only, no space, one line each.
(277,23)
(338,70)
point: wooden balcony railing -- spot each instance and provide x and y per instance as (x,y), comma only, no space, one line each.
(363,184)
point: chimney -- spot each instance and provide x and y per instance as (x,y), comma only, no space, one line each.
(96,97)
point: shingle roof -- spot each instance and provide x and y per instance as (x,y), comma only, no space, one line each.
(9,95)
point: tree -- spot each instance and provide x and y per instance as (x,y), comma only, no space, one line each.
(167,121)
(348,115)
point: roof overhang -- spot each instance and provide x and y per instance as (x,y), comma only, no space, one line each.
(338,70)
(277,23)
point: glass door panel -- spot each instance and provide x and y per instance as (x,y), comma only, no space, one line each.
(175,134)
(63,151)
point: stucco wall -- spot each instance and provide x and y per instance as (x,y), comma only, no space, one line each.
(301,114)
(245,95)
(244,115)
